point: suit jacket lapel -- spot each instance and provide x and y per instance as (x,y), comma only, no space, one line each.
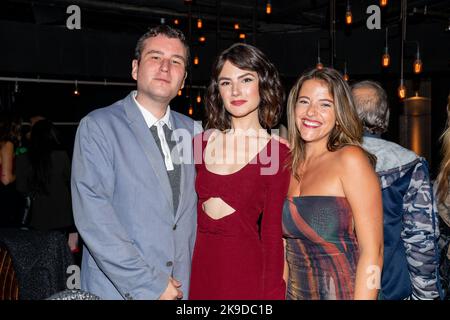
(145,138)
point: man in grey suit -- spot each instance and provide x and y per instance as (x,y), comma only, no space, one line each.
(133,181)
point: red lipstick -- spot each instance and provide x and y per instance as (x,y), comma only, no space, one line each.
(238,103)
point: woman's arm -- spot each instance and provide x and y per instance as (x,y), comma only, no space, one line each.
(271,230)
(7,155)
(362,189)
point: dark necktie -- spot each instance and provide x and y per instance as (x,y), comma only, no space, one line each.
(175,174)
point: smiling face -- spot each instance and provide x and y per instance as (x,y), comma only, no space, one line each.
(239,90)
(161,71)
(315,115)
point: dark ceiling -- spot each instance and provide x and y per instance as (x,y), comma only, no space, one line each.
(38,41)
(287,15)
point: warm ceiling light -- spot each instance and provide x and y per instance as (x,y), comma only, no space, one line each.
(383,3)
(268,7)
(386,59)
(242,36)
(236,26)
(417,66)
(417,63)
(348,17)
(346,77)
(348,14)
(196,60)
(176,22)
(202,39)
(199,98)
(76,92)
(191,111)
(319,65)
(199,23)
(401,90)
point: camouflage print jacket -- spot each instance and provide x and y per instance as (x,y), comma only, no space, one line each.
(411,255)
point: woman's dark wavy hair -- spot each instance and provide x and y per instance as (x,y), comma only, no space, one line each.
(271,92)
(43,141)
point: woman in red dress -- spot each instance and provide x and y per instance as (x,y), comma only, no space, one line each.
(242,180)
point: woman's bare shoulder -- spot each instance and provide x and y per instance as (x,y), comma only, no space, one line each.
(352,157)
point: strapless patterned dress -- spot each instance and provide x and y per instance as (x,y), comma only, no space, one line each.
(321,248)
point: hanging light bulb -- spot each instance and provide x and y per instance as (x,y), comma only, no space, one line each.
(386,59)
(202,39)
(348,14)
(417,62)
(242,36)
(417,66)
(401,90)
(180,92)
(196,60)
(236,26)
(191,111)
(176,22)
(319,64)
(268,7)
(346,77)
(383,3)
(76,92)
(199,23)
(16,87)
(199,98)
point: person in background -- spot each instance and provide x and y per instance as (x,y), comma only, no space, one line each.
(332,217)
(43,172)
(410,224)
(10,200)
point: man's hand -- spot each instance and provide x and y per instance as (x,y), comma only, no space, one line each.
(73,242)
(172,291)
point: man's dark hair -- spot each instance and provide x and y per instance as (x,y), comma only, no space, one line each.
(164,30)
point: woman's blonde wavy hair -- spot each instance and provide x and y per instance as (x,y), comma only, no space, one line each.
(444,170)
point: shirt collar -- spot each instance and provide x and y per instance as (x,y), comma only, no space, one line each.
(372,135)
(149,118)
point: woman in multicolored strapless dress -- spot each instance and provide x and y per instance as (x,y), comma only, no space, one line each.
(332,217)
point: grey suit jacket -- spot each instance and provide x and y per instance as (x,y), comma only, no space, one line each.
(122,204)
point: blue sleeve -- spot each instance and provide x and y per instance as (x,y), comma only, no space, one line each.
(420,233)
